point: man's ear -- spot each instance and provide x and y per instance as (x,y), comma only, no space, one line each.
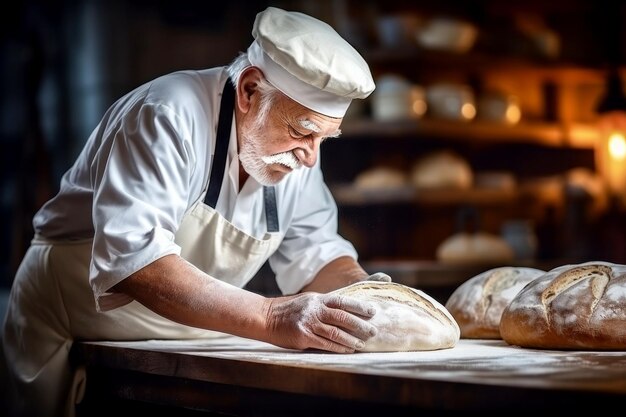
(247,88)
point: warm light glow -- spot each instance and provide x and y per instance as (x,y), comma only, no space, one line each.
(468,111)
(611,152)
(513,114)
(419,107)
(617,146)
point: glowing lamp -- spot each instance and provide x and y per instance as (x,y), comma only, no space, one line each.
(611,145)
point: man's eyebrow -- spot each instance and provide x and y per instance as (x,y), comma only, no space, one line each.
(309,125)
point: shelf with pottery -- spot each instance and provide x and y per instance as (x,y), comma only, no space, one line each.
(485,98)
(427,39)
(434,60)
(352,195)
(348,194)
(577,135)
(451,57)
(435,173)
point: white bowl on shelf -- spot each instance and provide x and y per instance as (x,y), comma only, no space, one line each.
(447,34)
(396,30)
(499,107)
(396,98)
(451,101)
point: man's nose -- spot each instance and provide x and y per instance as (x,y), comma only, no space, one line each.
(307,153)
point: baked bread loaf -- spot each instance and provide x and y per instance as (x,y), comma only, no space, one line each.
(579,307)
(381,177)
(443,169)
(407,319)
(478,303)
(474,248)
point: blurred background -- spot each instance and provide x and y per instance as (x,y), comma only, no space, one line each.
(495,135)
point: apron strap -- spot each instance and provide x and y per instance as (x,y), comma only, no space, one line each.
(219,161)
(221,146)
(271,213)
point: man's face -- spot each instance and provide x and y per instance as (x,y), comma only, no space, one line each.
(287,139)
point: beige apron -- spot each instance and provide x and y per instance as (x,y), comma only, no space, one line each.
(52,304)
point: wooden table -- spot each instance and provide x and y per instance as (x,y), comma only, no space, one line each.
(243,377)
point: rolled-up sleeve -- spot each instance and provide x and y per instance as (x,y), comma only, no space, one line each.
(141,181)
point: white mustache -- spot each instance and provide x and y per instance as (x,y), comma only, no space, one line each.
(285,158)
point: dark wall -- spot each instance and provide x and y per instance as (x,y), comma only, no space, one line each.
(63,63)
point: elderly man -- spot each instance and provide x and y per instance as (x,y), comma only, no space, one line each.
(184,189)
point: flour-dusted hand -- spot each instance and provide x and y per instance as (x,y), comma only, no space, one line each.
(379,276)
(320,321)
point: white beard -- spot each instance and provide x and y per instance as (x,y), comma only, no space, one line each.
(256,164)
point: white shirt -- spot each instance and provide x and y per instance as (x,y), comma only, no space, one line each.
(148,161)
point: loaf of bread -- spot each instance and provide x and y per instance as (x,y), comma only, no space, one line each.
(579,307)
(381,177)
(442,169)
(474,248)
(407,319)
(478,303)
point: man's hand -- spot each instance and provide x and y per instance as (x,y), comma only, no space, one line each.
(379,276)
(320,321)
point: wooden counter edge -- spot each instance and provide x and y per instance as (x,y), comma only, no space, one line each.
(243,387)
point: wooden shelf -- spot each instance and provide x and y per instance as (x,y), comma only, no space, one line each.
(475,61)
(544,134)
(348,194)
(430,60)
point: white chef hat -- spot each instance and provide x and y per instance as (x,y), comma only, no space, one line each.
(308,61)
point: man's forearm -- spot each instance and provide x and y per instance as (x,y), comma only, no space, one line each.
(177,290)
(336,274)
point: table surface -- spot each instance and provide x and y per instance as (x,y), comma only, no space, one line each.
(474,375)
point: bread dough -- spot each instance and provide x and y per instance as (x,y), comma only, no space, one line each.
(407,319)
(478,303)
(579,307)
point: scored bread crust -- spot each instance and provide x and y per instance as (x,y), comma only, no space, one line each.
(478,303)
(407,319)
(579,306)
